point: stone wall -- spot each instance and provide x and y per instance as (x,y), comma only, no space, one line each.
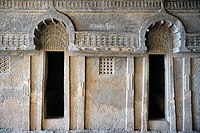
(106,47)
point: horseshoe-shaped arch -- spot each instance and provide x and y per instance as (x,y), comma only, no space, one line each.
(176,26)
(54,16)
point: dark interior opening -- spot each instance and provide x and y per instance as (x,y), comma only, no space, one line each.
(54,94)
(156,86)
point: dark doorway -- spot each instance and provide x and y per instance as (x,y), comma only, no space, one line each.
(54,94)
(156,86)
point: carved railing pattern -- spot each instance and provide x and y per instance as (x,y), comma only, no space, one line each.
(183,5)
(93,5)
(193,41)
(106,4)
(106,41)
(85,5)
(24,4)
(11,41)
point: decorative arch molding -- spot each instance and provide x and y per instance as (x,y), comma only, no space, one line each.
(52,16)
(175,25)
(52,36)
(159,39)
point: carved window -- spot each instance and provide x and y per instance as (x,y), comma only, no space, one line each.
(159,39)
(156,86)
(53,40)
(106,66)
(4,65)
(54,93)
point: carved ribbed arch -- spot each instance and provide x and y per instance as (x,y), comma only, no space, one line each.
(51,35)
(159,38)
(174,24)
(51,16)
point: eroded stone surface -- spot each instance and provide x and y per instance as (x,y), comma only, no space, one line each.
(106,46)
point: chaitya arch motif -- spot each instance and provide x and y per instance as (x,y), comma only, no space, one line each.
(159,38)
(51,34)
(47,20)
(175,26)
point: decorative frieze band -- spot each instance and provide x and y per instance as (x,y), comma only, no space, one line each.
(97,41)
(95,5)
(17,41)
(183,5)
(193,41)
(106,4)
(99,5)
(24,4)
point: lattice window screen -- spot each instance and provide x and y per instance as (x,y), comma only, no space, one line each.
(158,48)
(106,66)
(4,64)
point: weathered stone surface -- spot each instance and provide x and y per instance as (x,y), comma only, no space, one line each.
(106,47)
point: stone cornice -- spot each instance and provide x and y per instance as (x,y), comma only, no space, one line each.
(24,5)
(99,6)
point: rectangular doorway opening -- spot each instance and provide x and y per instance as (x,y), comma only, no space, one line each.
(54,91)
(156,87)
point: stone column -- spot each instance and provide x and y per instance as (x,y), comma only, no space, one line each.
(129,122)
(187,113)
(81,94)
(144,114)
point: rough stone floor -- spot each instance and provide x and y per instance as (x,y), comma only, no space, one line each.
(86,131)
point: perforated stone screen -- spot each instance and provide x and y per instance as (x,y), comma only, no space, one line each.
(4,64)
(106,66)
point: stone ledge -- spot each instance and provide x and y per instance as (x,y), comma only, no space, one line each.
(3,130)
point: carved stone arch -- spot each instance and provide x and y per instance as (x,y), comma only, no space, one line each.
(159,39)
(51,17)
(174,24)
(51,35)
